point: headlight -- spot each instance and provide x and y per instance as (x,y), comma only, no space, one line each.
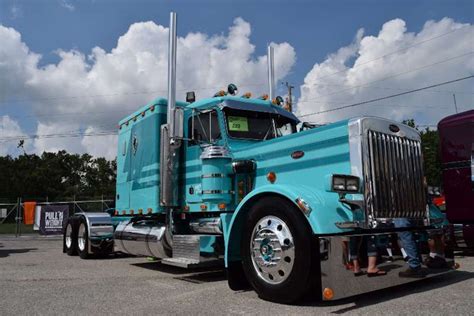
(345,183)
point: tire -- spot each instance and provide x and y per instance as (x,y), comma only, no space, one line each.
(70,239)
(276,251)
(83,239)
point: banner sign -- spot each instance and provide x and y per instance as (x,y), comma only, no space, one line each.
(53,219)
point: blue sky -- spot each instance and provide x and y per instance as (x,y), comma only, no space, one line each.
(314,30)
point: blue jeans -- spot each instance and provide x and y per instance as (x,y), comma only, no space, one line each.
(408,243)
(355,243)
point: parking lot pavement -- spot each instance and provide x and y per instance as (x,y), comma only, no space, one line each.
(37,278)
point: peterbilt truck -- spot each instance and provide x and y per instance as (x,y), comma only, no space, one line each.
(230,180)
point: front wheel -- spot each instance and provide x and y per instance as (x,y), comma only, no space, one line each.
(276,250)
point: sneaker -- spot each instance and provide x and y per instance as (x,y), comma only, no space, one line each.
(436,262)
(412,273)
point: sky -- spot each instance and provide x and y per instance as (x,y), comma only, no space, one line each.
(74,68)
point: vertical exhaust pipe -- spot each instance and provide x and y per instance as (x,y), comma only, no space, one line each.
(171,132)
(172,75)
(271,73)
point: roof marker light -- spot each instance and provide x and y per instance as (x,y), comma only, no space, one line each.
(220,93)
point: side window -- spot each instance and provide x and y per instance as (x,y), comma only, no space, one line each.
(203,128)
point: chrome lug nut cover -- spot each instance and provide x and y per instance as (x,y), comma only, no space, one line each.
(272,250)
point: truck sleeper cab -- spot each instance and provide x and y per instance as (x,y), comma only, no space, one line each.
(457,157)
(279,208)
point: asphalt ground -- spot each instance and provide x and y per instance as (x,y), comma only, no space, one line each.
(37,278)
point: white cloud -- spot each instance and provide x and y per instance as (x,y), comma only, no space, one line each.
(67,5)
(9,128)
(46,143)
(356,73)
(104,145)
(117,79)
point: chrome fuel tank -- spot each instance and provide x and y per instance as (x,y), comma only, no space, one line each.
(142,238)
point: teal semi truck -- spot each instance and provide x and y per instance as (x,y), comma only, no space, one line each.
(234,181)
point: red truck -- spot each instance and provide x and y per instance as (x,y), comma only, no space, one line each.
(457,156)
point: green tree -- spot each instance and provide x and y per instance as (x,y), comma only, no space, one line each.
(431,157)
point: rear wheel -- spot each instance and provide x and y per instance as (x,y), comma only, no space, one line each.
(83,240)
(70,239)
(276,250)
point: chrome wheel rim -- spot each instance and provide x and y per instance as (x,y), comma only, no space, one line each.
(81,237)
(68,236)
(272,250)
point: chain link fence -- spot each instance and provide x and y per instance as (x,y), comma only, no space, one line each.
(12,215)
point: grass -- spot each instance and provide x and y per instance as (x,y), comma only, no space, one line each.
(10,228)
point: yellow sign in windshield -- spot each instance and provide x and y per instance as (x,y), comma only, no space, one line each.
(238,123)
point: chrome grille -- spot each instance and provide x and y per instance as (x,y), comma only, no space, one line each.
(394,177)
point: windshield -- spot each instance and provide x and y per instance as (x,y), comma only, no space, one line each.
(257,125)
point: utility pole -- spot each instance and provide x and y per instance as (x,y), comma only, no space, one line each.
(289,100)
(455,104)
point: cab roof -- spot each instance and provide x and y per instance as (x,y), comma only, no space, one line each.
(257,105)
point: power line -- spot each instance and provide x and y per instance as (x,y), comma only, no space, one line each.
(120,94)
(58,135)
(399,74)
(397,51)
(389,96)
(395,75)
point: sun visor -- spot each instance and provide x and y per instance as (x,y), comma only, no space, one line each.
(249,106)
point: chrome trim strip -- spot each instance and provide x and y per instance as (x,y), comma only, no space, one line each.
(354,224)
(214,175)
(212,151)
(217,192)
(206,225)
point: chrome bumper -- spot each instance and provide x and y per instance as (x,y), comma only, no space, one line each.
(337,279)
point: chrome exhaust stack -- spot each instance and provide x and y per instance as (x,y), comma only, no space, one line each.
(172,45)
(271,73)
(172,131)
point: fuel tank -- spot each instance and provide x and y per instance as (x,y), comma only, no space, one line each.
(143,238)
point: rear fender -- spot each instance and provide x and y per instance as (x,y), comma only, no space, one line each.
(99,227)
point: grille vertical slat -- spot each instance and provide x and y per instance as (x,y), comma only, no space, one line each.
(385,177)
(421,197)
(397,181)
(394,177)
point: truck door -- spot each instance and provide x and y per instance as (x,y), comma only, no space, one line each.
(203,130)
